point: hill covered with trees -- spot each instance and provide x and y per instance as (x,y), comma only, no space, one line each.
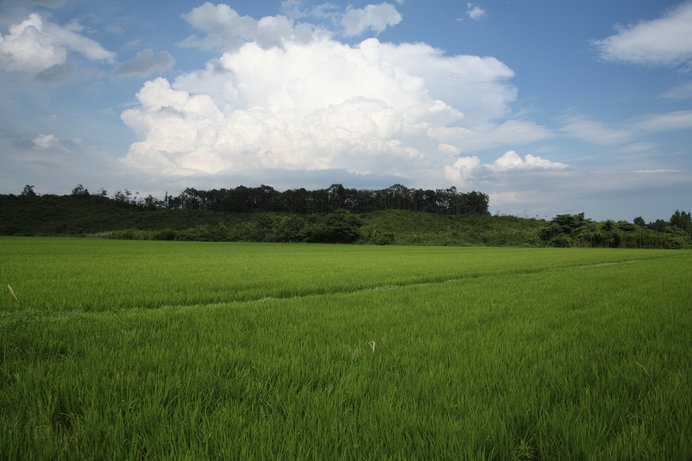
(395,215)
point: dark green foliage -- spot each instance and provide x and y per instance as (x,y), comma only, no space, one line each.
(80,190)
(412,228)
(322,216)
(123,217)
(377,228)
(289,228)
(659,225)
(205,233)
(28,191)
(378,237)
(338,227)
(682,221)
(336,197)
(575,231)
(563,226)
(164,234)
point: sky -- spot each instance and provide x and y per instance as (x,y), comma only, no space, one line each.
(548,107)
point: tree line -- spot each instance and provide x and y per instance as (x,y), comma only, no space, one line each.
(393,215)
(265,198)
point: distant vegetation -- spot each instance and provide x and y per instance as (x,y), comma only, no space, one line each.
(395,215)
(336,197)
(576,231)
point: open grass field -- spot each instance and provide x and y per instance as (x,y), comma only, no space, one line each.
(176,350)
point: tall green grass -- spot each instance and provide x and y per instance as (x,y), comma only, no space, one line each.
(479,354)
(50,274)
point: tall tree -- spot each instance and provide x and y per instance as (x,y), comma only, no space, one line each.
(28,191)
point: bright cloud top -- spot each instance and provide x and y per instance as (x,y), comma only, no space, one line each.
(368,108)
(663,41)
(35,45)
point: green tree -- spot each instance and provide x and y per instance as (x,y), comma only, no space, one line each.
(28,191)
(80,190)
(682,220)
(659,225)
(122,196)
(562,228)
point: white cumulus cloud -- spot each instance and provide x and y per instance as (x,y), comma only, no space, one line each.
(322,104)
(462,169)
(663,41)
(35,45)
(475,85)
(470,167)
(374,18)
(512,161)
(225,29)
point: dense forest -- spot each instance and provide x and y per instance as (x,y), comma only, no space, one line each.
(395,215)
(336,197)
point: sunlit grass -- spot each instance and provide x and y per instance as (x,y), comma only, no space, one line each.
(50,274)
(415,353)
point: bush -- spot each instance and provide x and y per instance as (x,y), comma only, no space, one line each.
(561,241)
(289,229)
(381,238)
(339,227)
(131,234)
(165,234)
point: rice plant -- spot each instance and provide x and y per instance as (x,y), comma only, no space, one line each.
(478,353)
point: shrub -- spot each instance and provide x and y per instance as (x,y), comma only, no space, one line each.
(381,238)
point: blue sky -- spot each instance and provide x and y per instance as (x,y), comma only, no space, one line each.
(549,107)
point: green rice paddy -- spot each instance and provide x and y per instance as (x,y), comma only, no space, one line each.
(185,350)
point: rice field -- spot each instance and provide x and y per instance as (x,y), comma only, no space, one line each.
(186,350)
